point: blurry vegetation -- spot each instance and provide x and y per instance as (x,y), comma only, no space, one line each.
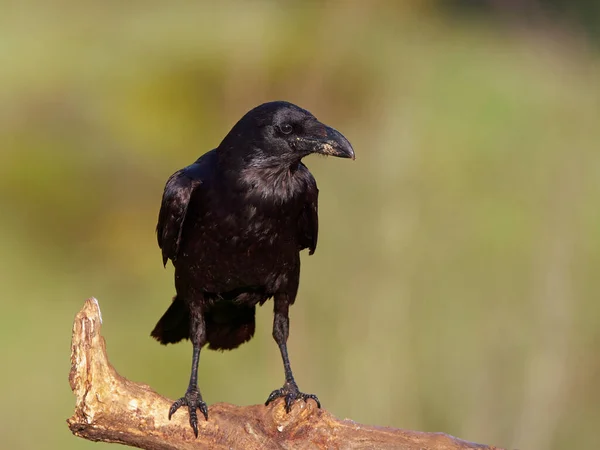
(582,14)
(456,283)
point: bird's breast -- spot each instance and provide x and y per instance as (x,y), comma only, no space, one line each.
(230,249)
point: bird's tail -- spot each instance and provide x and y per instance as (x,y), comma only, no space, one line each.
(174,325)
(228,325)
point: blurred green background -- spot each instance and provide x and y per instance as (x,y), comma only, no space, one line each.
(456,283)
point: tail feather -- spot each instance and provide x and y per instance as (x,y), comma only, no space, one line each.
(174,325)
(228,325)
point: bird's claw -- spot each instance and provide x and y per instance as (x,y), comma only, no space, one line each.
(193,400)
(291,393)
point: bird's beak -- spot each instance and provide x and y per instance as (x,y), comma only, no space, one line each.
(334,144)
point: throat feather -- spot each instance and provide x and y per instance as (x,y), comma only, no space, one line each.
(276,184)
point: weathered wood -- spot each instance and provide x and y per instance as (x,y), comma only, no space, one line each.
(110,408)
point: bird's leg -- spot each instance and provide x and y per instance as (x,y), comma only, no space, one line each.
(192,398)
(281,326)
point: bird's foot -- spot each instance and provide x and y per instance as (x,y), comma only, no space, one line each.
(193,400)
(291,393)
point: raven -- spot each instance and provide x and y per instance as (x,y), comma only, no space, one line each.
(233,224)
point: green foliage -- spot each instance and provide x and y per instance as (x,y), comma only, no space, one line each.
(455,287)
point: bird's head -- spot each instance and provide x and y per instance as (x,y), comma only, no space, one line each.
(280,133)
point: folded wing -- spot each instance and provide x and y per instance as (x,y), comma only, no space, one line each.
(308,224)
(175,201)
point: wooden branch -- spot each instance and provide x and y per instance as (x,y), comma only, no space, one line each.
(110,408)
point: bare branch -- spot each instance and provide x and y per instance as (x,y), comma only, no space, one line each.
(110,408)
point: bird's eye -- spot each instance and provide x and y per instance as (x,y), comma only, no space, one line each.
(285,128)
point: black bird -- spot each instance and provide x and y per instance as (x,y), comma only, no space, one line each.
(233,224)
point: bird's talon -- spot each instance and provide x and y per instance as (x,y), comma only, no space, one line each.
(175,406)
(203,409)
(193,400)
(194,422)
(291,393)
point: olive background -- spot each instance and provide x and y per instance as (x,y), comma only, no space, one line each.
(456,282)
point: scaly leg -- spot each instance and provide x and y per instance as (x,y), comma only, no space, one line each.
(192,398)
(281,327)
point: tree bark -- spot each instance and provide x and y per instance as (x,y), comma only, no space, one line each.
(110,408)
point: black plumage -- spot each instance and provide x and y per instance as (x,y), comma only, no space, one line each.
(233,224)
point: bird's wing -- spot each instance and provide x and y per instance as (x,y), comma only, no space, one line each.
(308,224)
(174,206)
